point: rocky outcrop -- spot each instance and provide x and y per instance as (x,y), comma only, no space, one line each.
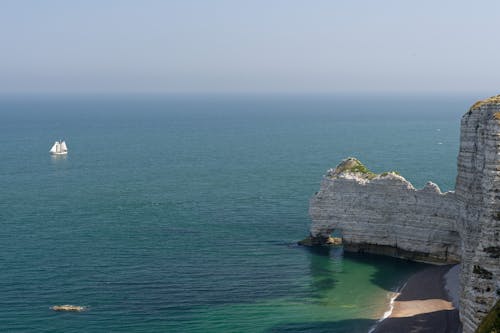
(385,214)
(69,308)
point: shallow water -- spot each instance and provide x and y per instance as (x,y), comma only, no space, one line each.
(179,213)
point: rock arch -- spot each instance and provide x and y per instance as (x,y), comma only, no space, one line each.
(385,214)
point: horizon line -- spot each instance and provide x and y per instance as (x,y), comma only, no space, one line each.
(250,93)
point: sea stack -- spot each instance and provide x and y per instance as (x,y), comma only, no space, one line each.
(385,214)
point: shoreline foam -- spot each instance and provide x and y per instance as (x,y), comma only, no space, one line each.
(388,313)
(424,303)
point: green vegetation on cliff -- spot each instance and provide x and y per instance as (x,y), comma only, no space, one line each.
(491,323)
(490,100)
(353,165)
(383,174)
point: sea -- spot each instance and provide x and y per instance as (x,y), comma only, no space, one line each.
(181,213)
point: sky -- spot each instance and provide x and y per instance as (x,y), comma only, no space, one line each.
(253,46)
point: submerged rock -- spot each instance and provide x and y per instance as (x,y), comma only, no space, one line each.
(69,307)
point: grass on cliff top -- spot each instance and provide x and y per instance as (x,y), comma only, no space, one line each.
(361,168)
(353,165)
(491,323)
(383,174)
(491,100)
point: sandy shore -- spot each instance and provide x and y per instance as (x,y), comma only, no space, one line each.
(426,304)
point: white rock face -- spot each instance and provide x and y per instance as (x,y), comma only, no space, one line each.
(385,214)
(478,192)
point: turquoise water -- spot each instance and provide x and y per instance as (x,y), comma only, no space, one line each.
(180,213)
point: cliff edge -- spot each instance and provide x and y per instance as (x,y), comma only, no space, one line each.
(385,214)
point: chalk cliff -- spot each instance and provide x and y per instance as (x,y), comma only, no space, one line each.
(478,194)
(385,214)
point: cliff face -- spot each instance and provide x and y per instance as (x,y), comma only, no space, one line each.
(385,214)
(478,193)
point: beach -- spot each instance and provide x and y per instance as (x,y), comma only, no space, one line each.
(426,303)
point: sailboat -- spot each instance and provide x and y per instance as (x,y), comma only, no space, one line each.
(59,148)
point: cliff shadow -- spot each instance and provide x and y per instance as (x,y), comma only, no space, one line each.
(340,326)
(445,321)
(326,261)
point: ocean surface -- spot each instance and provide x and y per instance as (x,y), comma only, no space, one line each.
(181,213)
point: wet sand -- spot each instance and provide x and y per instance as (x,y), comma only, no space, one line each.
(424,305)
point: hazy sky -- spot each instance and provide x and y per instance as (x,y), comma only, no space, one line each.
(250,46)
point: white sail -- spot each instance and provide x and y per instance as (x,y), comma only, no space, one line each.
(55,147)
(59,148)
(64,148)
